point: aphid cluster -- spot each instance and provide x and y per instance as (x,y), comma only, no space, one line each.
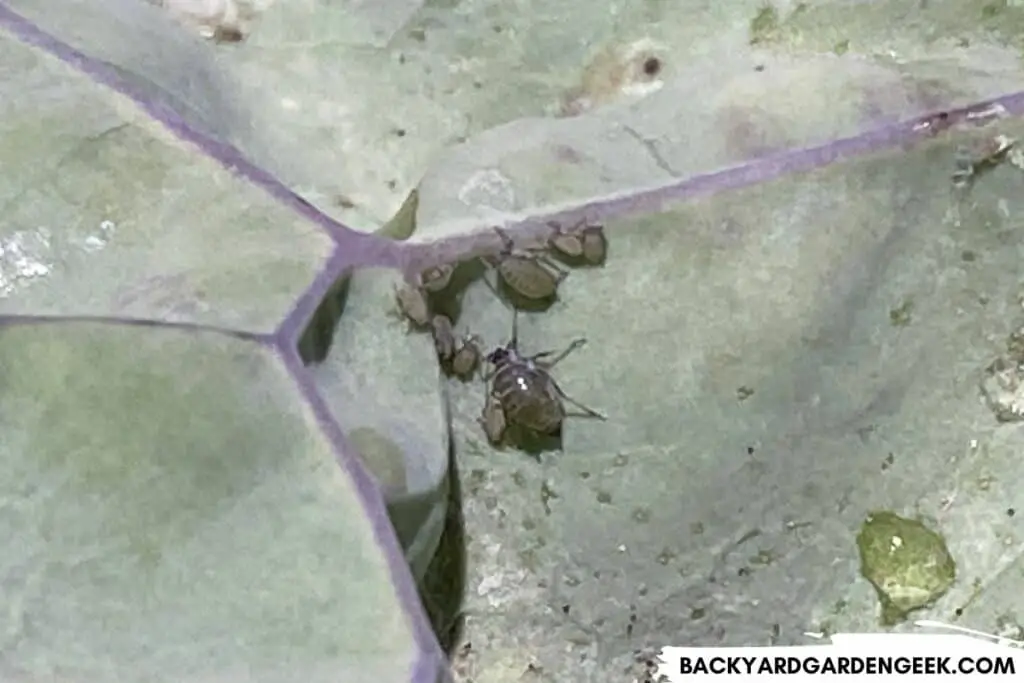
(413,299)
(584,244)
(533,274)
(521,394)
(459,356)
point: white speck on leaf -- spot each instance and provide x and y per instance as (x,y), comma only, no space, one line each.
(93,243)
(23,259)
(488,188)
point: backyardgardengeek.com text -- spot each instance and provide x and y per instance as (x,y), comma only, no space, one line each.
(919,665)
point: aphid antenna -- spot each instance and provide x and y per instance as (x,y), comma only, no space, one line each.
(515,329)
(507,243)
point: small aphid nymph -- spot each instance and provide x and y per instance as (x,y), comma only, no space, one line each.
(458,358)
(444,337)
(492,420)
(413,304)
(595,244)
(565,242)
(466,359)
(522,392)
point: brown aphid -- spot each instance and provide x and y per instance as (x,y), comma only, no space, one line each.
(594,244)
(436,278)
(444,337)
(583,242)
(466,358)
(492,420)
(413,304)
(523,393)
(528,273)
(566,242)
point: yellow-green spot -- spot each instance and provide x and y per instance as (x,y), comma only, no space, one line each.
(908,564)
(764,25)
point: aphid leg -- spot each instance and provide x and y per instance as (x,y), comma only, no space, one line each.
(491,285)
(588,412)
(508,244)
(514,343)
(548,364)
(487,375)
(560,272)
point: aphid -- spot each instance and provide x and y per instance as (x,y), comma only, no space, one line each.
(466,359)
(522,392)
(436,278)
(595,244)
(413,304)
(583,242)
(459,358)
(444,337)
(526,272)
(567,242)
(493,421)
